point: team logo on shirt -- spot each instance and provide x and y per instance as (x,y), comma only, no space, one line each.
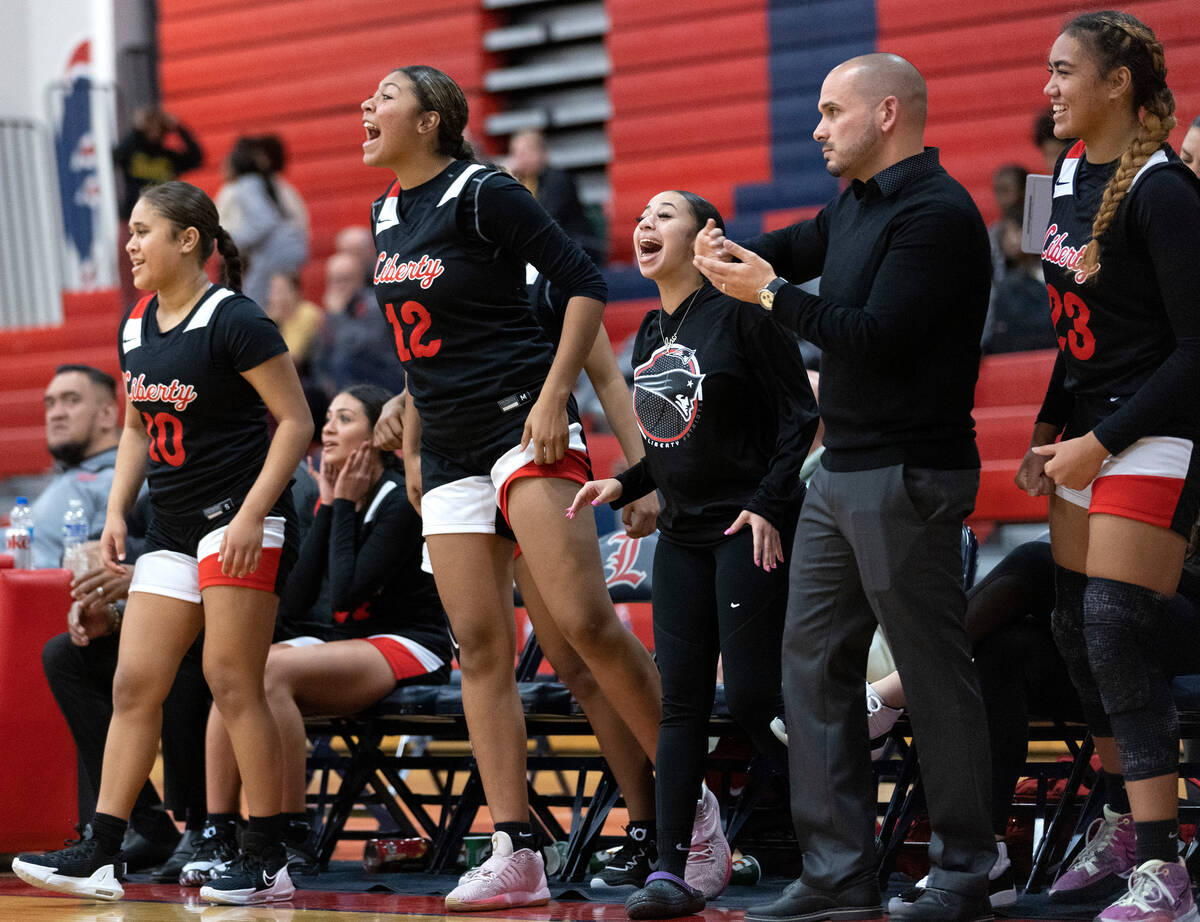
(180,395)
(668,390)
(390,268)
(1058,252)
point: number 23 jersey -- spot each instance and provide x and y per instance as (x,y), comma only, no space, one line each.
(207,425)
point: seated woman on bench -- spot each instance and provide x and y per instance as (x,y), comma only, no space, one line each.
(360,615)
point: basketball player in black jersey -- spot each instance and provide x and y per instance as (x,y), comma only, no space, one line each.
(203,365)
(1123,283)
(498,430)
(727,417)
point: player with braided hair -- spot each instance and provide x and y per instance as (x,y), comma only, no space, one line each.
(1122,280)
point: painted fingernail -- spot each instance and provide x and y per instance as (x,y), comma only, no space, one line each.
(728,530)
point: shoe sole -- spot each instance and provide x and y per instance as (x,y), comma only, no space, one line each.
(871,914)
(248,897)
(503,901)
(599,883)
(102,885)
(997,900)
(1100,890)
(655,910)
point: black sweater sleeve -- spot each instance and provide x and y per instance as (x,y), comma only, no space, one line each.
(304,584)
(1166,213)
(1059,402)
(636,482)
(782,376)
(797,253)
(356,572)
(507,215)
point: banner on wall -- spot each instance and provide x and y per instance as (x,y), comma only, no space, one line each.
(79,110)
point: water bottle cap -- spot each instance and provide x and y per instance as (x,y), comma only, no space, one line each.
(22,501)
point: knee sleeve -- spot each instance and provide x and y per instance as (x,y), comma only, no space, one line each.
(1066,623)
(1121,621)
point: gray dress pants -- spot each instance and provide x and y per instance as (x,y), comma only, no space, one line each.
(884,545)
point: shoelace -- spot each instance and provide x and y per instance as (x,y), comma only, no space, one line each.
(1100,836)
(1146,890)
(874,703)
(701,852)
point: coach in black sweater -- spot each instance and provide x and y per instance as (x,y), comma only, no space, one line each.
(905,270)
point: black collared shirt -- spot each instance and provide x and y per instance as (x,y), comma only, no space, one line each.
(905,271)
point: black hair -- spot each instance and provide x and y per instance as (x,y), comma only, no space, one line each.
(1043,129)
(274,152)
(1011,169)
(1195,122)
(373,397)
(102,379)
(437,92)
(185,205)
(249,158)
(702,209)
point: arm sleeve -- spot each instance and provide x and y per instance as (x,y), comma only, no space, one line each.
(635,482)
(782,377)
(249,335)
(357,571)
(304,584)
(797,253)
(1166,212)
(507,215)
(909,294)
(1059,402)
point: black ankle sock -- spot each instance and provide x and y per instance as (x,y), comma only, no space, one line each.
(1157,839)
(642,832)
(108,831)
(673,852)
(262,833)
(1116,797)
(295,828)
(520,833)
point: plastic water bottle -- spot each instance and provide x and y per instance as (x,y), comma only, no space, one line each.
(74,537)
(18,538)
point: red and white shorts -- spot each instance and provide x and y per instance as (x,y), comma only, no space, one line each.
(179,575)
(407,658)
(1155,480)
(458,501)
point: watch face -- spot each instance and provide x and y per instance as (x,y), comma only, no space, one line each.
(766,298)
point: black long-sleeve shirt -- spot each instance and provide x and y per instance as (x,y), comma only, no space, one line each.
(727,416)
(145,162)
(359,573)
(905,270)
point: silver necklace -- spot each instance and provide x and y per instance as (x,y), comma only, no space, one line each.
(670,340)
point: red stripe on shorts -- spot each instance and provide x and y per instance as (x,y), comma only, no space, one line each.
(1142,498)
(572,466)
(400,658)
(262,578)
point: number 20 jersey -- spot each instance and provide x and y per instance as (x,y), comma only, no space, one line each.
(456,304)
(207,425)
(1113,332)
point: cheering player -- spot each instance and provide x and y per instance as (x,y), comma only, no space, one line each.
(1120,263)
(498,431)
(202,366)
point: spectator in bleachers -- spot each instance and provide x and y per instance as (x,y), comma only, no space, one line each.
(1044,139)
(81,434)
(1008,188)
(358,619)
(270,238)
(727,418)
(905,265)
(529,161)
(357,344)
(1189,150)
(157,149)
(1018,314)
(358,242)
(1122,274)
(273,157)
(298,319)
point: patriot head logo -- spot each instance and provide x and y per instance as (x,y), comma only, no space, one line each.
(668,390)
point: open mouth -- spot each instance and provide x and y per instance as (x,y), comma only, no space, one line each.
(648,248)
(372,132)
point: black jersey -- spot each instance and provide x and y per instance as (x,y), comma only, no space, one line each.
(726,413)
(1140,315)
(450,278)
(207,425)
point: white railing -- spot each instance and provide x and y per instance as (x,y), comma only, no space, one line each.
(30,227)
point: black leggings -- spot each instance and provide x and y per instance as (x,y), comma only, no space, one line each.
(711,601)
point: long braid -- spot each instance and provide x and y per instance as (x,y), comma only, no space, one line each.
(231,260)
(1119,39)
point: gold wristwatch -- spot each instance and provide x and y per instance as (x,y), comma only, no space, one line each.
(766,296)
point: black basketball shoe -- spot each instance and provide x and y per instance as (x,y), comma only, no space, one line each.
(80,869)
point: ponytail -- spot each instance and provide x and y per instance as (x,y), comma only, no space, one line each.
(231,260)
(1120,40)
(437,92)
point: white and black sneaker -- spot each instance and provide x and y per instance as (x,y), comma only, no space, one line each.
(1002,886)
(252,879)
(629,866)
(80,869)
(214,853)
